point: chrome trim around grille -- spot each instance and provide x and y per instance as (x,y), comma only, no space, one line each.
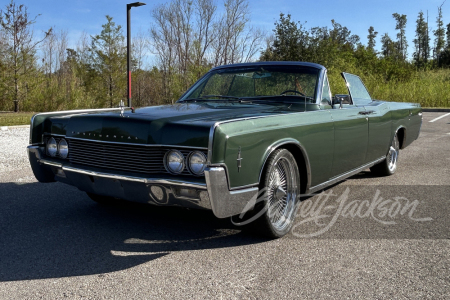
(132,144)
(141,158)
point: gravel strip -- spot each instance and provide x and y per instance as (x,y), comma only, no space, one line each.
(13,149)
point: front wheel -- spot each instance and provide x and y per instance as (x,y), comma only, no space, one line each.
(389,165)
(280,188)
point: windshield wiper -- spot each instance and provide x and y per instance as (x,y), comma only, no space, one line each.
(208,98)
(219,96)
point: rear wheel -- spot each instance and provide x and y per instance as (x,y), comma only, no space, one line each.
(389,165)
(280,189)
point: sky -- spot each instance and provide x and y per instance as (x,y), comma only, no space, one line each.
(76,16)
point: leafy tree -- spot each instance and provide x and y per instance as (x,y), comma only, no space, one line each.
(289,43)
(108,60)
(19,50)
(371,39)
(388,47)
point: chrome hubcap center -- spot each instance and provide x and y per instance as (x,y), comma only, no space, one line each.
(279,193)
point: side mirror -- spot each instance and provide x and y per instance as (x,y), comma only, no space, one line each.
(341,99)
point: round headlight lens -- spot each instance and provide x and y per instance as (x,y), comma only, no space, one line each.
(63,148)
(197,162)
(52,147)
(174,161)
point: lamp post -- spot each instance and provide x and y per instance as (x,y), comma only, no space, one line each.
(129,6)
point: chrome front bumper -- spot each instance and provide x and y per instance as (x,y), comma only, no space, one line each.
(213,194)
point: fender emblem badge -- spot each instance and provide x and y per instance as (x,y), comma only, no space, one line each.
(239,160)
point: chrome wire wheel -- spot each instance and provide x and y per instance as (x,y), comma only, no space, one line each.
(274,212)
(281,194)
(279,187)
(389,165)
(392,156)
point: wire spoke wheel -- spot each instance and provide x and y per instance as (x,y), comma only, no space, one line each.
(281,194)
(388,166)
(393,154)
(280,186)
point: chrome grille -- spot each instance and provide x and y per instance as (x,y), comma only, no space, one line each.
(119,156)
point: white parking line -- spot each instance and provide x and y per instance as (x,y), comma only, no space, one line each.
(440,117)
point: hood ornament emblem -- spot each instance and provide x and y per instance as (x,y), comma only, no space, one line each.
(122,108)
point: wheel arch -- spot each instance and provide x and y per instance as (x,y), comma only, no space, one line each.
(401,134)
(300,155)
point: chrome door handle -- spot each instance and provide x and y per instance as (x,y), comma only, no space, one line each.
(367,112)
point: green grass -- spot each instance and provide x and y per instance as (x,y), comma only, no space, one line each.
(429,88)
(12,119)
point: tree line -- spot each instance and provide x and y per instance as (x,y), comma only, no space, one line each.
(187,38)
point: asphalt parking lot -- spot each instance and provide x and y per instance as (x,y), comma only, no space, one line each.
(366,237)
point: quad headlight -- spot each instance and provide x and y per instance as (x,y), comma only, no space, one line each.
(63,149)
(60,148)
(174,162)
(52,147)
(197,162)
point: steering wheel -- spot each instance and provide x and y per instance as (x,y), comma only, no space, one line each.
(292,91)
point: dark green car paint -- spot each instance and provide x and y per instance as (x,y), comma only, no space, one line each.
(334,140)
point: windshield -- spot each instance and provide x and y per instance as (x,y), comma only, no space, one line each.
(258,82)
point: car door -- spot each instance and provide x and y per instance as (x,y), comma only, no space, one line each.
(378,115)
(350,137)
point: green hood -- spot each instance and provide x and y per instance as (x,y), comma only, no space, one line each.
(182,124)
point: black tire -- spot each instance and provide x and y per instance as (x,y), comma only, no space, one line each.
(280,189)
(104,200)
(388,166)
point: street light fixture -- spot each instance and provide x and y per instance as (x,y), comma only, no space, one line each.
(129,6)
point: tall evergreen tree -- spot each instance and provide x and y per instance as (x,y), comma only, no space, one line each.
(448,35)
(439,33)
(108,59)
(371,38)
(421,42)
(402,44)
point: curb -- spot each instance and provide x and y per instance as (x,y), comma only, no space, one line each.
(436,109)
(4,128)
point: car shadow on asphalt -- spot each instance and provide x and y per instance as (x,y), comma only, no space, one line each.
(54,230)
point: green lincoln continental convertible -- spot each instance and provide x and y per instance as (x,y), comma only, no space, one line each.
(245,141)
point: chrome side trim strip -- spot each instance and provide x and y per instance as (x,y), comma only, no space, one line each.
(77,111)
(343,176)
